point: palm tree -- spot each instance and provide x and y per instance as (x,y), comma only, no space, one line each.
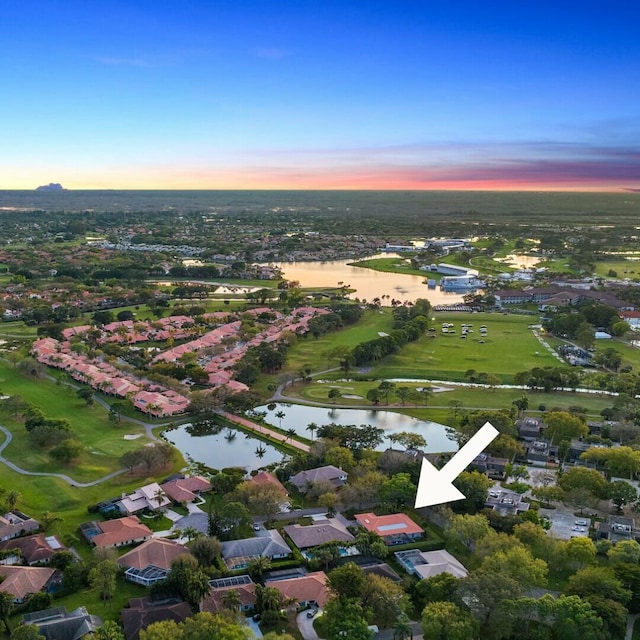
(291,433)
(257,567)
(12,499)
(402,629)
(280,414)
(159,497)
(231,600)
(311,427)
(191,533)
(271,599)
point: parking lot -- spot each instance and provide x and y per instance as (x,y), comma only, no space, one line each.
(564,525)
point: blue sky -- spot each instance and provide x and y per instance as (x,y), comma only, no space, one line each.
(424,95)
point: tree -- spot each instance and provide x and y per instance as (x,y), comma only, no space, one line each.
(187,579)
(346,618)
(581,477)
(28,632)
(103,578)
(385,388)
(11,499)
(374,396)
(328,501)
(403,394)
(231,600)
(108,631)
(164,630)
(598,581)
(340,457)
(579,552)
(67,451)
(258,566)
(334,394)
(468,529)
(206,550)
(347,581)
(475,487)
(448,621)
(385,599)
(85,394)
(6,609)
(312,427)
(518,564)
(627,551)
(398,491)
(409,440)
(621,493)
(263,500)
(562,427)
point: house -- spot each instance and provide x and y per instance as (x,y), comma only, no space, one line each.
(330,474)
(495,468)
(321,532)
(245,588)
(617,528)
(151,561)
(16,523)
(149,497)
(308,590)
(141,612)
(34,549)
(506,502)
(540,452)
(21,582)
(529,429)
(397,528)
(59,624)
(186,489)
(266,478)
(238,554)
(116,533)
(426,564)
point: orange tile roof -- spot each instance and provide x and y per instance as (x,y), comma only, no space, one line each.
(312,587)
(157,552)
(120,531)
(391,525)
(21,581)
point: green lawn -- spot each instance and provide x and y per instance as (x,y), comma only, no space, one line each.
(628,267)
(508,347)
(438,405)
(393,265)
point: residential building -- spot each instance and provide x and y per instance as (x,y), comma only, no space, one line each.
(506,502)
(266,478)
(36,549)
(329,474)
(493,467)
(149,497)
(617,528)
(21,582)
(238,554)
(116,533)
(59,624)
(321,532)
(529,429)
(426,564)
(308,590)
(16,523)
(142,612)
(151,561)
(397,528)
(186,489)
(245,588)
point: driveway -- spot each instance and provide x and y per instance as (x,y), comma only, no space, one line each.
(305,625)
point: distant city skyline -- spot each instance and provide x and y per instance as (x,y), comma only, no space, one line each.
(333,95)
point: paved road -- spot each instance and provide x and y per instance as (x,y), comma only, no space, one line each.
(62,476)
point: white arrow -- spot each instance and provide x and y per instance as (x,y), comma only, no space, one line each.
(435,486)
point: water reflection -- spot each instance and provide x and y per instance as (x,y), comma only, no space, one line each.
(369,284)
(222,447)
(298,417)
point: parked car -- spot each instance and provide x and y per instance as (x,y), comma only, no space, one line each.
(312,613)
(582,523)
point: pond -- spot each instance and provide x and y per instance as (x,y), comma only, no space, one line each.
(368,284)
(298,417)
(220,450)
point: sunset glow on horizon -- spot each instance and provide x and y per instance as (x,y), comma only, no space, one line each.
(347,95)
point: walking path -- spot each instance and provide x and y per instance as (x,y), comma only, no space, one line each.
(262,430)
(62,476)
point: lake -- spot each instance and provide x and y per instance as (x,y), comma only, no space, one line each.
(298,417)
(368,284)
(218,452)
